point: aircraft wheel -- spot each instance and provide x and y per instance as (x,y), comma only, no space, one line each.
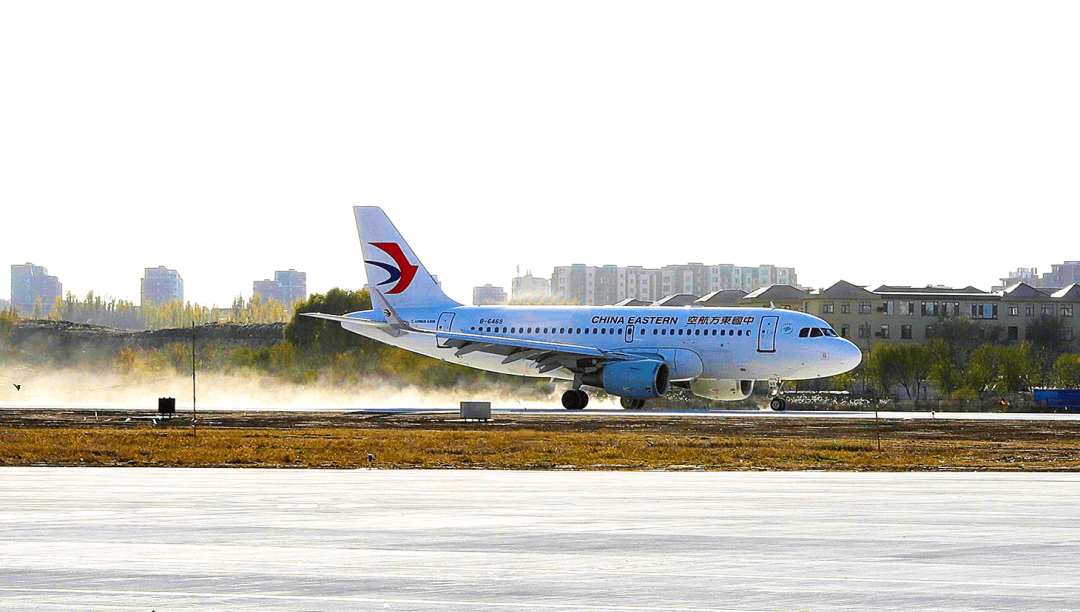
(778,404)
(571,400)
(632,404)
(584,399)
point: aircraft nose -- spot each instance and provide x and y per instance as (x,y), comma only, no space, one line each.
(850,356)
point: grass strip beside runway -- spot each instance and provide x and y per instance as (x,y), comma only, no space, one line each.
(524,448)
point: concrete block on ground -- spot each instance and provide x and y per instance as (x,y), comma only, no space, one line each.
(476,410)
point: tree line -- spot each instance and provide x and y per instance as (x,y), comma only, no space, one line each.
(310,351)
(963,360)
(127,315)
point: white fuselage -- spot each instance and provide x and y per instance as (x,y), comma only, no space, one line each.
(709,343)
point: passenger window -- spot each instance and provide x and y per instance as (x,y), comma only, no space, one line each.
(739,332)
(714,332)
(654,331)
(545,330)
(663,332)
(504,330)
(620,332)
(804,332)
(586,331)
(594,331)
(603,331)
(562,330)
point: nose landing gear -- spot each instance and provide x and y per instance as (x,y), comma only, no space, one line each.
(575,399)
(777,403)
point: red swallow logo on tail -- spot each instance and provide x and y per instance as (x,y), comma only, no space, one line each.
(403,274)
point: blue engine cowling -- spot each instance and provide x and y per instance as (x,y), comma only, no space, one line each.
(642,379)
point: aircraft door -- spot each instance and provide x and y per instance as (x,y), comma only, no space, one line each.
(446,319)
(766,342)
(629,333)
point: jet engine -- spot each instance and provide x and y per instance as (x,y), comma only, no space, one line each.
(725,390)
(640,379)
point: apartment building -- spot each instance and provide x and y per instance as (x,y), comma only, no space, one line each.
(529,288)
(908,314)
(29,284)
(161,285)
(288,287)
(609,284)
(488,296)
(1060,275)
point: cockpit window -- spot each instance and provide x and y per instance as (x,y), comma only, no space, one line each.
(817,332)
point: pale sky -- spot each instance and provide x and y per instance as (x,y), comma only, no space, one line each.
(900,143)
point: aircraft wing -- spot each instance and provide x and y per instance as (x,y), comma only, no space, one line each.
(545,355)
(518,343)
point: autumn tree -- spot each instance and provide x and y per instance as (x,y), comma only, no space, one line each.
(1005,369)
(319,335)
(1066,371)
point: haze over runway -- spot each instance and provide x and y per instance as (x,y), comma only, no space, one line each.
(213,539)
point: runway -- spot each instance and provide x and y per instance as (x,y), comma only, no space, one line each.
(89,408)
(216,539)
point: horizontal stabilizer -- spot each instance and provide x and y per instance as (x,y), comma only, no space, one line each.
(344,319)
(383,326)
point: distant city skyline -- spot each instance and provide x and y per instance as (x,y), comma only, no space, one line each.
(299,286)
(158,285)
(901,144)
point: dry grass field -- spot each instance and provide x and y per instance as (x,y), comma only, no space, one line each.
(636,442)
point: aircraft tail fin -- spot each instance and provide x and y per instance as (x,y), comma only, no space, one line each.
(393,270)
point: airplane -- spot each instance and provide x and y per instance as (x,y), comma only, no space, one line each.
(634,353)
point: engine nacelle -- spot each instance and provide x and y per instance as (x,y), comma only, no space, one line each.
(725,390)
(642,379)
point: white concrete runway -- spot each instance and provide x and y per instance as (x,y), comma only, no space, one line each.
(236,539)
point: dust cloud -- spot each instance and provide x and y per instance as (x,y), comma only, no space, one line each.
(75,387)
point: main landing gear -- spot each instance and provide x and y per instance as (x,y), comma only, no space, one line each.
(575,399)
(632,404)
